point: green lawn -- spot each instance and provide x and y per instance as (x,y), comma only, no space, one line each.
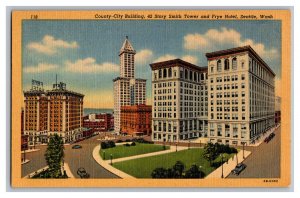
(126,151)
(143,167)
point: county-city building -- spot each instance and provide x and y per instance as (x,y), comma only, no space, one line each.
(180,96)
(231,101)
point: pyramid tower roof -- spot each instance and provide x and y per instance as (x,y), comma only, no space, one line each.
(127,47)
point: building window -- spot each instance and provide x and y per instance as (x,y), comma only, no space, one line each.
(243,76)
(234,64)
(159,74)
(165,73)
(211,69)
(219,66)
(185,74)
(170,73)
(226,65)
(219,130)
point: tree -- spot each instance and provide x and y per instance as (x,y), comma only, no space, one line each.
(178,169)
(193,172)
(159,173)
(54,156)
(210,152)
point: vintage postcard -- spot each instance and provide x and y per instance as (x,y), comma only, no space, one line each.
(150,98)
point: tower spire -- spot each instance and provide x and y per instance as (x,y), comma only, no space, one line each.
(127,47)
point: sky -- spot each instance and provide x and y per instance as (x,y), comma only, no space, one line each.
(84,54)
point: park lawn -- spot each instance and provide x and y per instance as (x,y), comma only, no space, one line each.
(126,151)
(143,167)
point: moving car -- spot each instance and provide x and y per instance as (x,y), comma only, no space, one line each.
(76,146)
(82,173)
(238,169)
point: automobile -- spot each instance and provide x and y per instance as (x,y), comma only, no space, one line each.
(267,139)
(82,173)
(76,146)
(238,169)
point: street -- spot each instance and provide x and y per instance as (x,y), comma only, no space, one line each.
(76,158)
(264,162)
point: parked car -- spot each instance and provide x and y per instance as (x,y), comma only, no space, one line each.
(238,169)
(267,139)
(270,137)
(82,173)
(76,146)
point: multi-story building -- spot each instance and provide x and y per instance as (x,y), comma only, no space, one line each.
(35,115)
(128,90)
(98,122)
(231,101)
(180,96)
(65,113)
(136,120)
(24,138)
(277,110)
(241,96)
(58,111)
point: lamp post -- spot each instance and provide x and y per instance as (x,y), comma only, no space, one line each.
(176,146)
(104,155)
(189,143)
(111,158)
(200,144)
(200,167)
(237,161)
(222,176)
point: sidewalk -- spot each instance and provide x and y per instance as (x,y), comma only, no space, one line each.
(227,168)
(68,171)
(262,138)
(25,162)
(106,165)
(171,150)
(30,151)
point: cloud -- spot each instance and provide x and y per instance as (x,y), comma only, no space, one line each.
(89,65)
(188,58)
(143,56)
(50,45)
(41,67)
(165,58)
(217,39)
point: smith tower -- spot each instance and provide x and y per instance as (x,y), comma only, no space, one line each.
(127,59)
(127,89)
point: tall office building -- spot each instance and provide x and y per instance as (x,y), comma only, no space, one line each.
(241,96)
(128,90)
(179,95)
(231,101)
(57,111)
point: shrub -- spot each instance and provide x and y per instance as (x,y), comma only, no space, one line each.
(108,144)
(119,141)
(127,144)
(133,144)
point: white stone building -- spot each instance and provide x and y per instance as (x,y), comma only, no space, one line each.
(241,96)
(179,95)
(231,101)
